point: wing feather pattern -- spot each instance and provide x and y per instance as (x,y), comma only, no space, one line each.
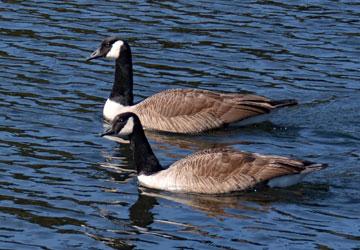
(223,170)
(193,111)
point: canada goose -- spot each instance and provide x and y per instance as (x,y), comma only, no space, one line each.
(176,110)
(211,171)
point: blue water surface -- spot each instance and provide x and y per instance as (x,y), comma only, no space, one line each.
(64,187)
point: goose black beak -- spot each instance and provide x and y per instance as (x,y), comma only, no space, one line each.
(108,132)
(111,135)
(96,54)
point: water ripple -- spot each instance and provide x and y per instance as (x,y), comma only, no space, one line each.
(62,186)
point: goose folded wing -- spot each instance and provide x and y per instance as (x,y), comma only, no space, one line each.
(226,170)
(187,110)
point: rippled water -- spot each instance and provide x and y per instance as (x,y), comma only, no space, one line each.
(62,186)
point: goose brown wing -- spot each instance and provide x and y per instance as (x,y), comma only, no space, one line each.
(226,170)
(192,111)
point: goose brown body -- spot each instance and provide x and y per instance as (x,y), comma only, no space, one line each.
(194,110)
(223,170)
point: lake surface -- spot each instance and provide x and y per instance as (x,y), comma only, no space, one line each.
(64,187)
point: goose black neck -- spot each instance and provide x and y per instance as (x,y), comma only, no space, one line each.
(122,90)
(144,158)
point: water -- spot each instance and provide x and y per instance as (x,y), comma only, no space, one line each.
(62,186)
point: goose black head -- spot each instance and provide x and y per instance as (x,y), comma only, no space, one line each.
(111,47)
(122,126)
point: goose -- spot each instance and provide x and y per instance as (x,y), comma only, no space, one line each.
(210,171)
(187,111)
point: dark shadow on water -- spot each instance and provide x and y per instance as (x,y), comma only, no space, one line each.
(140,212)
(112,242)
(225,137)
(249,201)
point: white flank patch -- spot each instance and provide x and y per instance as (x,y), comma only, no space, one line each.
(161,180)
(112,109)
(114,52)
(128,128)
(285,181)
(147,181)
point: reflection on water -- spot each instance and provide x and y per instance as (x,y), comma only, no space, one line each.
(140,214)
(64,187)
(250,201)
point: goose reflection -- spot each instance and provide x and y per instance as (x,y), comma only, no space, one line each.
(140,212)
(241,205)
(216,138)
(211,205)
(228,136)
(118,165)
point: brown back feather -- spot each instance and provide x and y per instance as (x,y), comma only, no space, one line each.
(222,170)
(193,111)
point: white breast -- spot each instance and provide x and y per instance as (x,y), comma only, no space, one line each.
(161,180)
(112,109)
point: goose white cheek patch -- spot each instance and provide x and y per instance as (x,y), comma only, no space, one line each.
(128,128)
(114,52)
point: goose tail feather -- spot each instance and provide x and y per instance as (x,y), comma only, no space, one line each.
(311,167)
(284,103)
